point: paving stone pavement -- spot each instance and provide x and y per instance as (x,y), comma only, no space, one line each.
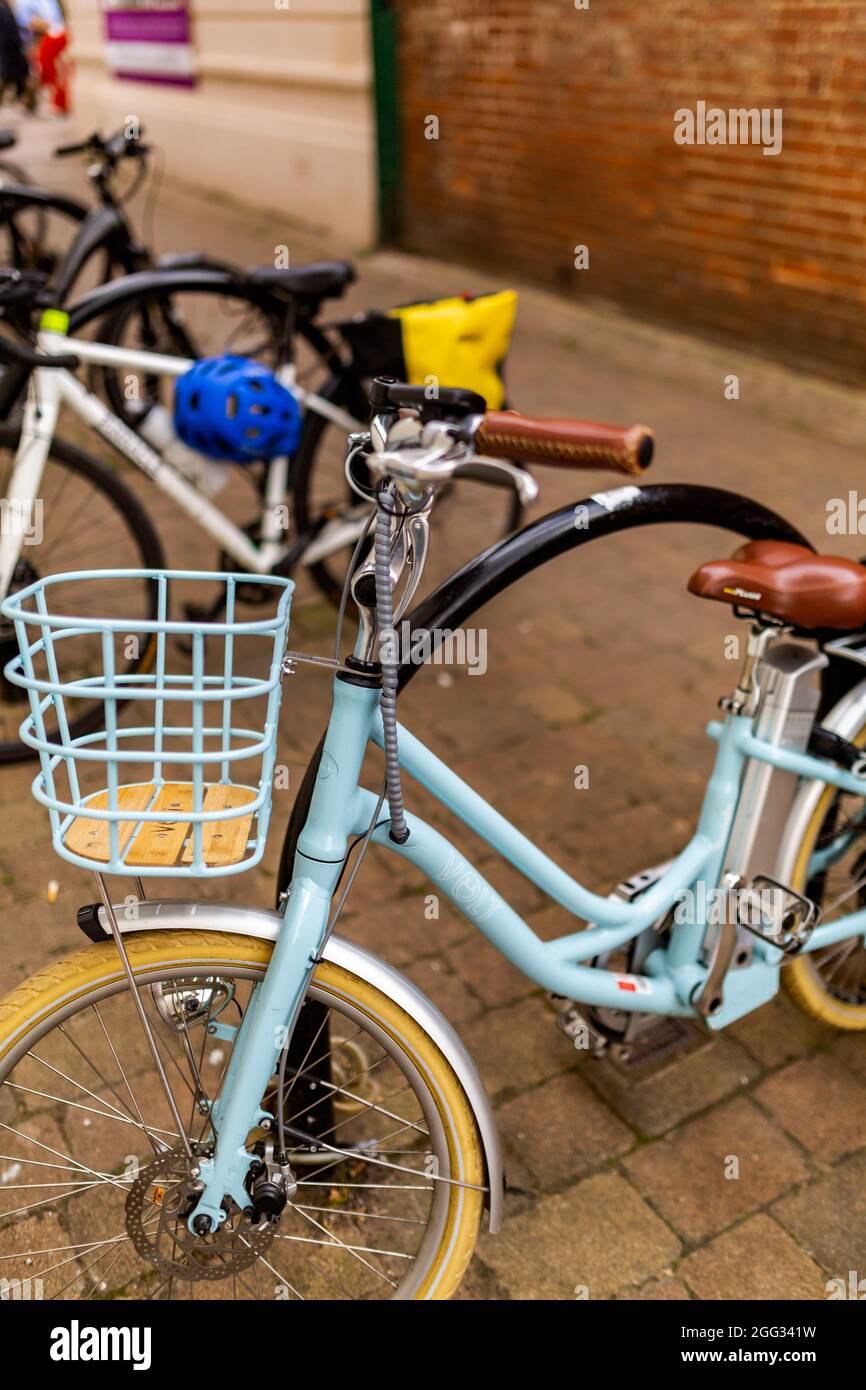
(600,659)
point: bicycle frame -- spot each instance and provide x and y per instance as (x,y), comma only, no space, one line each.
(51,388)
(341,809)
(99,228)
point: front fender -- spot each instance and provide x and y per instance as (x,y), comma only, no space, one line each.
(255,921)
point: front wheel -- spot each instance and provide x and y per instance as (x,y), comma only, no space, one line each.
(24,229)
(94,1183)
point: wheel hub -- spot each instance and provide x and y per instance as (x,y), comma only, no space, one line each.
(157,1206)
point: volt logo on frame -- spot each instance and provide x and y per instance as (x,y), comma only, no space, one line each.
(77,1343)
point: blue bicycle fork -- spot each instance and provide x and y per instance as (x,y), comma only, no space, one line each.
(277,1000)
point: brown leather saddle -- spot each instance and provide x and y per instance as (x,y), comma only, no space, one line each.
(788,583)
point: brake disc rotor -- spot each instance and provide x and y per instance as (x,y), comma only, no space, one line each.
(157,1206)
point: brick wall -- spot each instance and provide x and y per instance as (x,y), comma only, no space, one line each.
(556,128)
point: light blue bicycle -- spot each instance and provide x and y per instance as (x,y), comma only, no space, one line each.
(160,1134)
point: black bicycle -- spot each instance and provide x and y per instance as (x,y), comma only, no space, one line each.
(102,243)
(101,238)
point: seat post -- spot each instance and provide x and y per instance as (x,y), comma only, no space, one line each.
(747,691)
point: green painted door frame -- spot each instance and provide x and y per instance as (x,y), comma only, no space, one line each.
(384,21)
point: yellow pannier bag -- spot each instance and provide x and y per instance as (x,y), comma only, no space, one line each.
(462,341)
(459,342)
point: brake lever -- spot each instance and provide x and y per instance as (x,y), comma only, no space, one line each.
(482,469)
(426,467)
(416,465)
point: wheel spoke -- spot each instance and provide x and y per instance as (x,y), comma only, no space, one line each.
(82,1167)
(111,1114)
(370,1197)
(335,1241)
(105,1033)
(361,1215)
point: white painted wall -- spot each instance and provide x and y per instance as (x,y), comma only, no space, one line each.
(282,116)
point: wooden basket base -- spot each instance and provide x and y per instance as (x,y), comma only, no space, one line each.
(164,844)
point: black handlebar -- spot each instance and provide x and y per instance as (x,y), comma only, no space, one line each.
(63,150)
(116,147)
(449,401)
(11,351)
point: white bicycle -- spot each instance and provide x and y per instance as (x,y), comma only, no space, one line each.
(63,509)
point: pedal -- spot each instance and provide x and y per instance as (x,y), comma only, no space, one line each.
(576,1026)
(786,923)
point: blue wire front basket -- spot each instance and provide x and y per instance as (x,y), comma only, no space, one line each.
(183,788)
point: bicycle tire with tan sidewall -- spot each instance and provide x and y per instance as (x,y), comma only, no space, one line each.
(801,978)
(71,984)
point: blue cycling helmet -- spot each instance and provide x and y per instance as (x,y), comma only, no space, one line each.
(235,409)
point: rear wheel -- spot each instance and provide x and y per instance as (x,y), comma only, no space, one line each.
(94,1185)
(830,985)
(85,518)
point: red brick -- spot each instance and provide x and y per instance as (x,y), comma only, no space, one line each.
(556,127)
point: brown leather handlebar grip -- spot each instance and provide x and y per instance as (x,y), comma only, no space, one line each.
(564,443)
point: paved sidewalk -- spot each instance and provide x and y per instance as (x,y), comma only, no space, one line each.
(602,659)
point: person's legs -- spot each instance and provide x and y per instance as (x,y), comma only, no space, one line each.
(52,69)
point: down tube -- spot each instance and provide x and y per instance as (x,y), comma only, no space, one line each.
(453,875)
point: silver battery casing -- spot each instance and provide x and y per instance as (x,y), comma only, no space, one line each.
(789,694)
(788,682)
